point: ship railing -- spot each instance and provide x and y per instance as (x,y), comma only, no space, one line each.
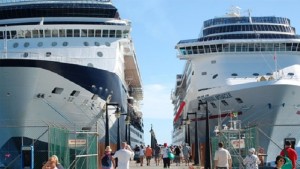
(241,80)
(7,2)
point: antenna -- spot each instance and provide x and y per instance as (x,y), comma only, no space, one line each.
(249,14)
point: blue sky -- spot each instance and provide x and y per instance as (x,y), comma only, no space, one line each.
(157,26)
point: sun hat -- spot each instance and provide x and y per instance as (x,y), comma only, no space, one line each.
(252,150)
(287,143)
(107,148)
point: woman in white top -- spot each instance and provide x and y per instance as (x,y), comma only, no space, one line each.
(142,154)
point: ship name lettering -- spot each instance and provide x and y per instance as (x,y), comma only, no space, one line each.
(223,96)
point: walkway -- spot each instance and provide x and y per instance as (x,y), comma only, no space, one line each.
(134,165)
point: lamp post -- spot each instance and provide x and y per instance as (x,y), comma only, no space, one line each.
(118,114)
(107,122)
(187,136)
(207,137)
(197,157)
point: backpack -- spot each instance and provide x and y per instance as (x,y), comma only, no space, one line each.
(106,161)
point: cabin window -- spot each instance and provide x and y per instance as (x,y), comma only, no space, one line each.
(91,33)
(105,33)
(76,33)
(69,32)
(98,33)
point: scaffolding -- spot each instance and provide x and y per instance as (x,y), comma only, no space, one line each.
(236,140)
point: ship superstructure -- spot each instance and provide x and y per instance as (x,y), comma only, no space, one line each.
(243,65)
(61,62)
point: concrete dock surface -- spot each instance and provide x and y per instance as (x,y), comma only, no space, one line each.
(134,165)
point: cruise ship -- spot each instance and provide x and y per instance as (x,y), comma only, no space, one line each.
(65,64)
(242,72)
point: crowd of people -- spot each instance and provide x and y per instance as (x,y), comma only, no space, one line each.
(286,159)
(181,153)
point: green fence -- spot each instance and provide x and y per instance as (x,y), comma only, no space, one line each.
(76,150)
(237,142)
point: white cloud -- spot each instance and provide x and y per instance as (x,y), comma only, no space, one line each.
(158,102)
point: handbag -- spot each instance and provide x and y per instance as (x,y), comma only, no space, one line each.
(171,156)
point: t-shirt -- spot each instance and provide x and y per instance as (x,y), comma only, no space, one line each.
(106,160)
(148,152)
(123,156)
(292,155)
(157,150)
(177,151)
(186,150)
(165,152)
(251,161)
(222,156)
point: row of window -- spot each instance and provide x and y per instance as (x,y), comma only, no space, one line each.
(53,44)
(241,36)
(233,20)
(239,47)
(15,34)
(236,28)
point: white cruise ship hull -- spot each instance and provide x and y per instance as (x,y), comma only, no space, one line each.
(272,107)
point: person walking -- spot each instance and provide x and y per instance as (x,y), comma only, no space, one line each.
(280,161)
(142,154)
(124,155)
(251,161)
(222,158)
(186,150)
(157,152)
(290,153)
(148,154)
(58,164)
(50,164)
(106,159)
(165,155)
(177,151)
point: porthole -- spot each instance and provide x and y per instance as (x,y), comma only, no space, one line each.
(40,44)
(90,65)
(107,44)
(86,44)
(15,45)
(48,54)
(65,43)
(255,74)
(204,73)
(234,74)
(100,54)
(54,43)
(25,55)
(26,44)
(97,44)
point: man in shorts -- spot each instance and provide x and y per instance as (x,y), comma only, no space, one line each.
(157,154)
(186,150)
